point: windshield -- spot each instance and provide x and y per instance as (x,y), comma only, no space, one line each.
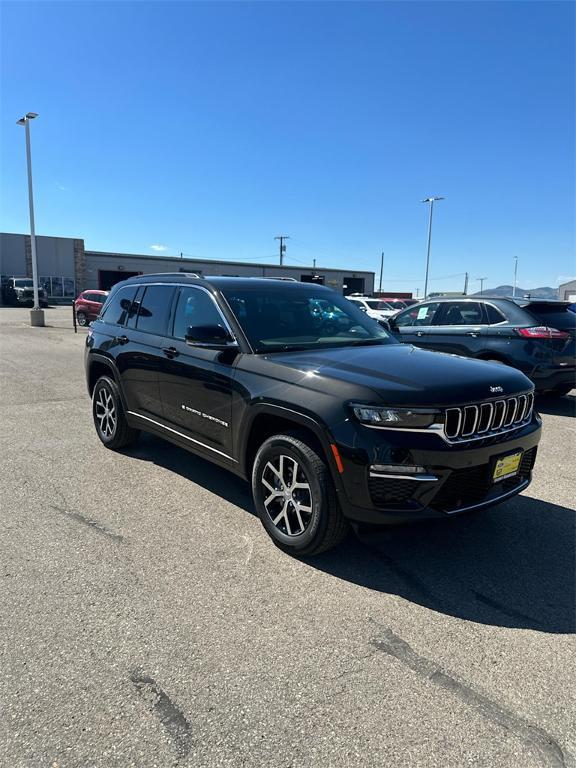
(297,317)
(23,284)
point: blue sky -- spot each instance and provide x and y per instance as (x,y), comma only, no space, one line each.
(209,128)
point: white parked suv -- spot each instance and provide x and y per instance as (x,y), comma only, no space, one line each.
(379,310)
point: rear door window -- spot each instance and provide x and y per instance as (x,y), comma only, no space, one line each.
(154,309)
(462,313)
(553,316)
(118,308)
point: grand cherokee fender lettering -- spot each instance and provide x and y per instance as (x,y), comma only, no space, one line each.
(204,415)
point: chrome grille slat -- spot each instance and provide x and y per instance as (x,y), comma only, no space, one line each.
(485,408)
(471,422)
(511,406)
(499,414)
(521,412)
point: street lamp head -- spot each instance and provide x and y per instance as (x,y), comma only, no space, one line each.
(432,199)
(27,116)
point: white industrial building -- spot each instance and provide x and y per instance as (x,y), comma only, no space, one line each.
(567,291)
(66,268)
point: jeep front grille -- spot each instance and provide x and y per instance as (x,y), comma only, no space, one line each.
(472,422)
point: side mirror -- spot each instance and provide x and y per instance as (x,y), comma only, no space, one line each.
(210,336)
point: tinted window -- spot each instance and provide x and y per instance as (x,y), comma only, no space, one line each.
(117,308)
(493,315)
(554,316)
(378,305)
(462,313)
(423,314)
(154,308)
(195,307)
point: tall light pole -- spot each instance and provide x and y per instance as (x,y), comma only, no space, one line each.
(515,276)
(481,280)
(36,314)
(430,200)
(381,270)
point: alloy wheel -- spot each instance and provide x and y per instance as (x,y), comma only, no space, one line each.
(105,413)
(288,496)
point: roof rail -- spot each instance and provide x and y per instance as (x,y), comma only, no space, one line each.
(181,273)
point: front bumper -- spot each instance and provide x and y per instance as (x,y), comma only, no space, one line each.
(460,476)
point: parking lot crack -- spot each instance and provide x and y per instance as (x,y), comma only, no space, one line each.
(170,716)
(531,735)
(93,524)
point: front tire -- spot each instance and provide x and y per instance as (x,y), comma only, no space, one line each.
(295,497)
(109,417)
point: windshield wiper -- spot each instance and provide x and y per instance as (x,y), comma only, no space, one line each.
(368,342)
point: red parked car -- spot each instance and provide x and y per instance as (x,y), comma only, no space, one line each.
(88,306)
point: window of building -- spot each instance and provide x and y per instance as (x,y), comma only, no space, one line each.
(58,287)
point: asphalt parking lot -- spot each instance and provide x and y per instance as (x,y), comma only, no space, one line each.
(147,619)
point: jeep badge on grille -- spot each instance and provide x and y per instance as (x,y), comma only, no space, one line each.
(496,389)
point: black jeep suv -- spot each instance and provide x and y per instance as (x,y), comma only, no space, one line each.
(292,386)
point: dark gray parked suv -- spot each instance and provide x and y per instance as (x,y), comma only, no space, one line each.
(534,335)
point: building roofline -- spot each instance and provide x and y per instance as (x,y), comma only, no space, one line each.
(186,260)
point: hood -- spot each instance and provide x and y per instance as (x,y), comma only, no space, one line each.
(400,374)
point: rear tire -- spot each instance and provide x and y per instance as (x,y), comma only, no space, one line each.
(295,497)
(109,417)
(81,318)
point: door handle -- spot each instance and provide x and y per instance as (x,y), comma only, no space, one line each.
(419,333)
(122,339)
(473,333)
(170,352)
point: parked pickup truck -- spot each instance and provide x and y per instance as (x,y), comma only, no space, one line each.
(333,423)
(20,290)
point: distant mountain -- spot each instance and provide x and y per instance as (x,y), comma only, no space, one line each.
(535,293)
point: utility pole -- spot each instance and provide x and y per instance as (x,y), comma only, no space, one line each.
(36,314)
(481,280)
(417,292)
(466,285)
(381,270)
(430,200)
(515,276)
(282,246)
(314,263)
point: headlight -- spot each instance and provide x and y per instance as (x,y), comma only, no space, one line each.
(406,418)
